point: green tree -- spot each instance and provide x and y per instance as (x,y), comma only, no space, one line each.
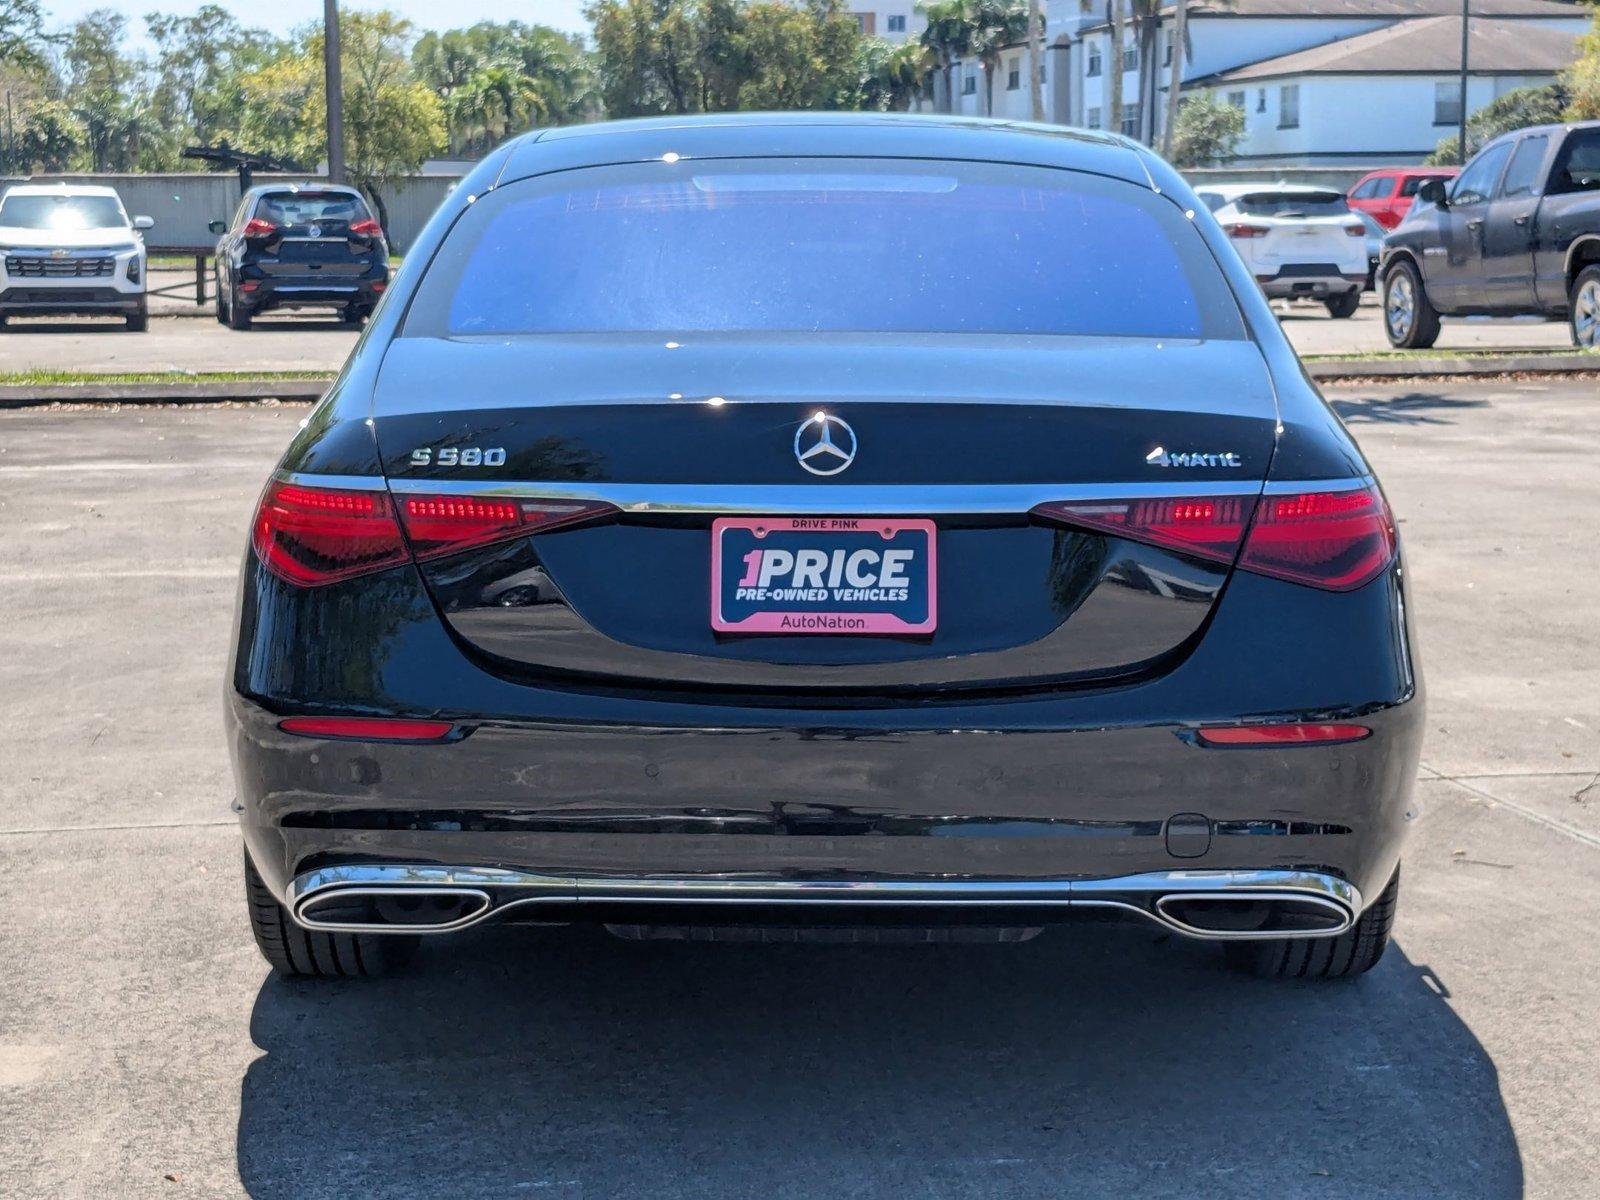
(1582,78)
(1206,131)
(948,37)
(198,63)
(1516,109)
(805,56)
(995,25)
(392,121)
(648,56)
(104,90)
(892,75)
(22,36)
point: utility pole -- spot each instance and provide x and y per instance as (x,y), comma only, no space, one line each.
(333,84)
(1461,134)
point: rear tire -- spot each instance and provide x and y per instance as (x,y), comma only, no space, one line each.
(140,321)
(354,315)
(291,950)
(1410,321)
(1583,307)
(1354,952)
(216,282)
(1342,306)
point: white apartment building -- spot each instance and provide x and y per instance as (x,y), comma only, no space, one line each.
(1321,81)
(892,20)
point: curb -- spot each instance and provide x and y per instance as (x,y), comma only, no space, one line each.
(1575,363)
(200,392)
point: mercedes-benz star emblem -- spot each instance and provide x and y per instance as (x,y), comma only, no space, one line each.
(316,231)
(825,445)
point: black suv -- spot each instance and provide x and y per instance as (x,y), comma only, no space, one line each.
(300,246)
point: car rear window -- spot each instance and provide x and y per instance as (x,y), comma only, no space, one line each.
(310,208)
(62,212)
(836,245)
(1293,204)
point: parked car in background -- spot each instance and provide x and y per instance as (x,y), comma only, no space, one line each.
(70,250)
(300,246)
(1517,233)
(1299,242)
(1387,195)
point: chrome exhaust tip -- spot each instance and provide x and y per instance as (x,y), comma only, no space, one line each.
(400,909)
(1244,915)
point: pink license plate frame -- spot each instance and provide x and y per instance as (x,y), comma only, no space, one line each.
(812,621)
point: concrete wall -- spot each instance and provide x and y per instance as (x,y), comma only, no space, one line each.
(182,204)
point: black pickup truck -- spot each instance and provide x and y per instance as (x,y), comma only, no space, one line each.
(1517,233)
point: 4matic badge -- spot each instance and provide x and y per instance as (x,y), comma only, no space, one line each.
(1161,457)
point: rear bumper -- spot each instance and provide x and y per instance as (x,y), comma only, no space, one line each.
(33,299)
(1292,281)
(310,288)
(1039,795)
(1193,903)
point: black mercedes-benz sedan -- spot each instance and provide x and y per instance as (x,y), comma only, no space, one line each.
(837,526)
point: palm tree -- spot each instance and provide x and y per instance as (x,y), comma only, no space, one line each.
(947,37)
(1182,52)
(902,73)
(1035,51)
(996,24)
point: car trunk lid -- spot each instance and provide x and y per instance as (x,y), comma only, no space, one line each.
(970,433)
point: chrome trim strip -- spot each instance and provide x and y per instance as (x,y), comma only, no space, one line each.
(326,287)
(1348,484)
(350,483)
(819,498)
(1143,895)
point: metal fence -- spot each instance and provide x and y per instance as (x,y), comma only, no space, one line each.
(184,203)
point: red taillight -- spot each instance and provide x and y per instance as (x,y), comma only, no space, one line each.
(1205,526)
(368,729)
(439,525)
(1333,540)
(366,228)
(1337,541)
(1355,230)
(255,227)
(1241,229)
(1280,735)
(314,536)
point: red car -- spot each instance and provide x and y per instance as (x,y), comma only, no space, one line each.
(1387,194)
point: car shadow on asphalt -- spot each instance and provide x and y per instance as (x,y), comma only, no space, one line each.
(1408,408)
(1091,1061)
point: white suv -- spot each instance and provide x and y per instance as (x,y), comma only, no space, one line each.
(1299,242)
(69,248)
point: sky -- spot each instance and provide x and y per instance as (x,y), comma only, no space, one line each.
(283,15)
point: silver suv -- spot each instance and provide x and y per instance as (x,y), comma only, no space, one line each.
(70,248)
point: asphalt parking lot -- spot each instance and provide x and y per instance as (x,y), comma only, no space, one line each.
(145,1050)
(312,342)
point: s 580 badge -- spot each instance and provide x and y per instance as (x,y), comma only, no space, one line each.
(459,456)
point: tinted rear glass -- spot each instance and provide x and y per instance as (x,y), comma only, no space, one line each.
(310,208)
(62,212)
(833,245)
(1293,204)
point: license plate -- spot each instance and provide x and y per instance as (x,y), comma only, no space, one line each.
(830,575)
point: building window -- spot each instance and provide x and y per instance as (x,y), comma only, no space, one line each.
(897,24)
(1289,106)
(1044,73)
(1092,118)
(969,83)
(1237,100)
(1014,75)
(866,23)
(1095,65)
(1447,103)
(1130,57)
(1130,120)
(1261,99)
(1166,54)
